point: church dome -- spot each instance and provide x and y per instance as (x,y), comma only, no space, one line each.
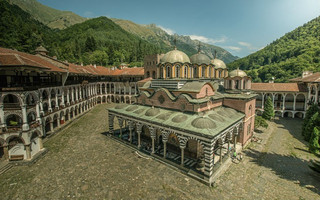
(203,123)
(219,64)
(199,59)
(237,72)
(175,56)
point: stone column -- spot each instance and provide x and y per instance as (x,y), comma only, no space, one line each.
(40,143)
(208,160)
(77,95)
(139,140)
(153,139)
(72,96)
(57,102)
(284,101)
(182,155)
(68,97)
(120,125)
(3,123)
(80,94)
(262,101)
(25,126)
(164,147)
(110,118)
(49,104)
(294,102)
(28,151)
(62,98)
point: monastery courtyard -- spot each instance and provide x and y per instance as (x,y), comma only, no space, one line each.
(83,163)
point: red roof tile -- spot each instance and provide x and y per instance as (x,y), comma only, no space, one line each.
(311,78)
(10,57)
(278,87)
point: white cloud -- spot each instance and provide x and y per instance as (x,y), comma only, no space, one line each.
(233,48)
(167,30)
(208,40)
(245,44)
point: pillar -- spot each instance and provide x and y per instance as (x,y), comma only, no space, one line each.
(294,102)
(77,95)
(68,98)
(208,160)
(130,134)
(72,96)
(235,142)
(262,101)
(57,102)
(164,148)
(182,155)
(49,104)
(3,123)
(40,143)
(28,151)
(153,139)
(25,126)
(62,98)
(284,101)
(6,152)
(139,141)
(80,94)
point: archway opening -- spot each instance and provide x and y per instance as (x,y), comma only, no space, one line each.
(11,102)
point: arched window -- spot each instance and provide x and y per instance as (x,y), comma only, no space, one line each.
(219,74)
(210,71)
(168,72)
(195,72)
(177,71)
(186,71)
(148,74)
(203,72)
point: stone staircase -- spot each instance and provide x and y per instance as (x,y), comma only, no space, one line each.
(5,166)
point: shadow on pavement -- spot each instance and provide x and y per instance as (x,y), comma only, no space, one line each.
(287,167)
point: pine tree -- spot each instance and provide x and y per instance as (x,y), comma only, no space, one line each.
(314,141)
(268,109)
(310,112)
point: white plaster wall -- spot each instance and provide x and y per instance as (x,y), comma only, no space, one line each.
(18,149)
(35,147)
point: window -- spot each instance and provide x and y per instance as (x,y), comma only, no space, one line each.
(177,71)
(195,72)
(203,72)
(210,71)
(168,71)
(219,74)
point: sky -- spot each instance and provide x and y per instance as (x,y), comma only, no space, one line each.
(239,26)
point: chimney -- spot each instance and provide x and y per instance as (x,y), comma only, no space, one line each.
(95,66)
(272,80)
(82,64)
(306,73)
(55,57)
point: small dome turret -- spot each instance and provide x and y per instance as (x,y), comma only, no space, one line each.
(219,64)
(200,58)
(237,73)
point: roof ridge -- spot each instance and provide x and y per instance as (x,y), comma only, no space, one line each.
(19,59)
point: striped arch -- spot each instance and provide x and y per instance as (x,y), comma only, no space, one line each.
(196,139)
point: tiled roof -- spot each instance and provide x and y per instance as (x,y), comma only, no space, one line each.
(311,78)
(15,58)
(278,87)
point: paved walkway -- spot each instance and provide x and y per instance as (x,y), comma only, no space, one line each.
(84,163)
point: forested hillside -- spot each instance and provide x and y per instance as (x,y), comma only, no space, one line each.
(286,57)
(98,40)
(49,16)
(18,29)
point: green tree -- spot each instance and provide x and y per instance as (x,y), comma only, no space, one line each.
(268,112)
(260,122)
(310,112)
(314,141)
(99,57)
(313,122)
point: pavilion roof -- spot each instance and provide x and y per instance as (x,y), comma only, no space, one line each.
(208,124)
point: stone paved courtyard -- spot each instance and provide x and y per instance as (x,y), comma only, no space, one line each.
(82,163)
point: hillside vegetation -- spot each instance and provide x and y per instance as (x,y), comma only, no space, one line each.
(95,41)
(51,17)
(286,57)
